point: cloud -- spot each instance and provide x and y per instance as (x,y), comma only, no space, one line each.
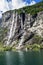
(3,5)
(6,5)
(18,4)
(32,2)
(0,14)
(13,4)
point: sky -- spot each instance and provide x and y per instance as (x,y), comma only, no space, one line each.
(6,5)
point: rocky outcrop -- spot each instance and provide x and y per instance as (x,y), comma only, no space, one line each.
(0,21)
(22,27)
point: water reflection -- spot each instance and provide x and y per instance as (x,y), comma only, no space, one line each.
(21,57)
(8,58)
(15,58)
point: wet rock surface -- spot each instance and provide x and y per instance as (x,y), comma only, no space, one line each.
(24,27)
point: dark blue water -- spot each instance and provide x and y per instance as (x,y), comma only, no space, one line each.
(21,58)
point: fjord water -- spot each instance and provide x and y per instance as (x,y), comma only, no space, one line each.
(21,58)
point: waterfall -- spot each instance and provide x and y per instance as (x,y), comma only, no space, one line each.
(23,35)
(21,23)
(22,39)
(15,26)
(10,33)
(12,29)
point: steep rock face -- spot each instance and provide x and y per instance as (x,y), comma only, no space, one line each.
(0,21)
(22,27)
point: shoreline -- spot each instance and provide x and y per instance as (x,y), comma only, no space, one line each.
(33,47)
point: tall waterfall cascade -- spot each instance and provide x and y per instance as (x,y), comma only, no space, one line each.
(24,33)
(22,39)
(18,25)
(20,28)
(12,28)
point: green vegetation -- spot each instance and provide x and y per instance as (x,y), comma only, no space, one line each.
(3,32)
(14,49)
(34,47)
(37,39)
(41,46)
(32,9)
(2,48)
(36,44)
(7,48)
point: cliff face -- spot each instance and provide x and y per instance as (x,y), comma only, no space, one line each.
(23,27)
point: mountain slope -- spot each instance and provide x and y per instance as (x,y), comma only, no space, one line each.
(24,25)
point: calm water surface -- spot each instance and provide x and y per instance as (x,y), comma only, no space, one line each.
(21,58)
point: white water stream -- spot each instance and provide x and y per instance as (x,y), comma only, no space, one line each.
(12,29)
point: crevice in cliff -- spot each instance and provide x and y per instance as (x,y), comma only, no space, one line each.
(29,37)
(8,18)
(23,17)
(32,20)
